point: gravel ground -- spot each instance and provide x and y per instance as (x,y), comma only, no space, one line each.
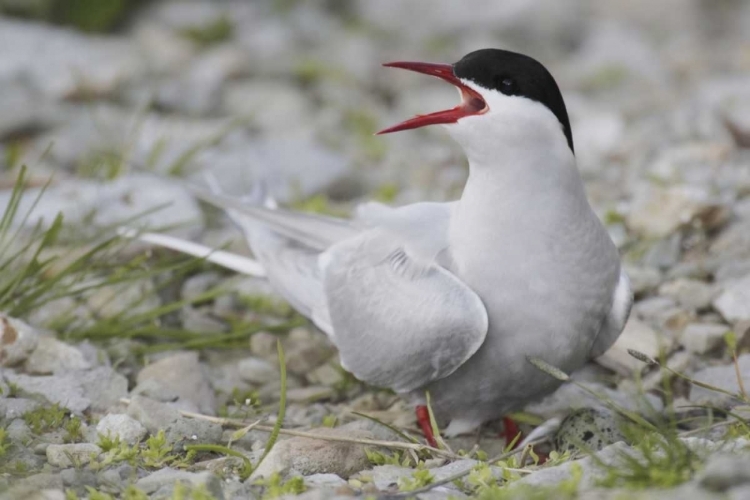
(92,405)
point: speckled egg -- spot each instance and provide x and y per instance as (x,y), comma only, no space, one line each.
(588,429)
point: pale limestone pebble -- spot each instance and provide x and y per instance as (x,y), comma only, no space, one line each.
(193,431)
(304,456)
(17,340)
(724,471)
(257,370)
(182,375)
(41,486)
(701,338)
(690,294)
(69,455)
(734,301)
(642,279)
(165,479)
(61,62)
(570,397)
(52,356)
(659,211)
(154,415)
(122,426)
(636,335)
(99,388)
(725,377)
(307,350)
(11,408)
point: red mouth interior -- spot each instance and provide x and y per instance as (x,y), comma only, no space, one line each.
(472,102)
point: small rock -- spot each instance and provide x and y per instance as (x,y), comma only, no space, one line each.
(660,211)
(183,375)
(32,485)
(588,429)
(11,408)
(701,338)
(169,476)
(690,294)
(17,340)
(257,370)
(306,351)
(724,377)
(734,301)
(303,456)
(724,471)
(571,397)
(123,426)
(69,455)
(327,481)
(51,356)
(188,430)
(642,279)
(309,394)
(79,477)
(636,335)
(64,390)
(154,415)
(18,431)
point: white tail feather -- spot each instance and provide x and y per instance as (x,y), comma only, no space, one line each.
(222,258)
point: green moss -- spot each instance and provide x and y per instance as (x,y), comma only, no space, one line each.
(419,479)
(85,15)
(4,442)
(275,487)
(212,33)
(45,419)
(73,431)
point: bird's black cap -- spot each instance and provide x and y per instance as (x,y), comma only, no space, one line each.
(515,74)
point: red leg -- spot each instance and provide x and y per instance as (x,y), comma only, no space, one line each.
(511,431)
(423,419)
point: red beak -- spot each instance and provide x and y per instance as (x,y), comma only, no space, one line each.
(472,103)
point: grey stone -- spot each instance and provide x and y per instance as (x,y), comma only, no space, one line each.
(184,376)
(19,432)
(128,429)
(690,294)
(35,484)
(636,335)
(570,397)
(192,431)
(724,377)
(168,477)
(52,356)
(734,301)
(65,390)
(257,370)
(24,110)
(103,386)
(324,481)
(303,456)
(701,338)
(11,408)
(17,340)
(79,478)
(659,211)
(725,471)
(69,455)
(642,279)
(310,394)
(307,350)
(154,415)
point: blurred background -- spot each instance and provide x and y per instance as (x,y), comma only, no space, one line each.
(119,101)
(104,90)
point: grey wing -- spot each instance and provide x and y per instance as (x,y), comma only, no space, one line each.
(622,301)
(397,320)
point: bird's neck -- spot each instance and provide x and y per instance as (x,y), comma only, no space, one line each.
(530,196)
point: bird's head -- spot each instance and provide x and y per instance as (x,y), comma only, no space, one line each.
(508,100)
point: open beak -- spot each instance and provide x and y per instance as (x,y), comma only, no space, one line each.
(471,102)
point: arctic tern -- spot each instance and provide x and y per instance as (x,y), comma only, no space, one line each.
(452,298)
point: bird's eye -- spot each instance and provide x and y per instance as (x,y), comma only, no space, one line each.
(507,85)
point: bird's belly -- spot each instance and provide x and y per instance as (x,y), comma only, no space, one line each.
(530,315)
